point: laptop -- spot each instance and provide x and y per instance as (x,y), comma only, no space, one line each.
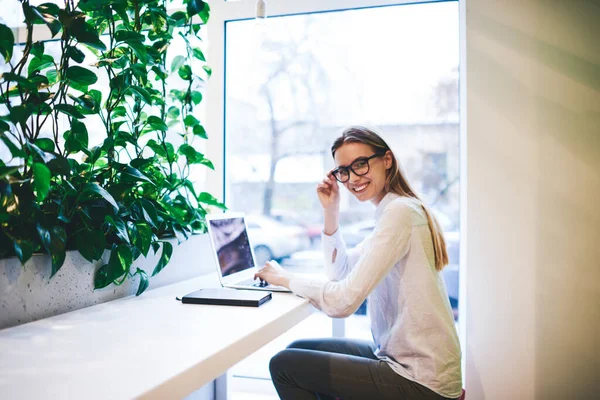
(234,254)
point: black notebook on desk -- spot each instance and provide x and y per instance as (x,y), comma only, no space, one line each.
(227,297)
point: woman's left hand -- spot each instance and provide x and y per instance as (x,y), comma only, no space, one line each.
(274,274)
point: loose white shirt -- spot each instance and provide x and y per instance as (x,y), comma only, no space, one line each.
(394,267)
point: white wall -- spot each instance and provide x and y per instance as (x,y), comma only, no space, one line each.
(533,199)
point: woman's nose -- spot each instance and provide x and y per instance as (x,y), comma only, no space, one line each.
(353,177)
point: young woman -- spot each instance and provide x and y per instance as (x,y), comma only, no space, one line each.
(416,352)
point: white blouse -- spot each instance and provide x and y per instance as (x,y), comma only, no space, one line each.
(411,319)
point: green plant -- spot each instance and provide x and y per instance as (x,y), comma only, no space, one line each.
(132,190)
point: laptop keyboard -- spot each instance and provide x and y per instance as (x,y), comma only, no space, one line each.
(255,283)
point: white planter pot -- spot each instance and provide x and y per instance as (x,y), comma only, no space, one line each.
(27,293)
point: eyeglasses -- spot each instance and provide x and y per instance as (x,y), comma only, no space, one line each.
(360,167)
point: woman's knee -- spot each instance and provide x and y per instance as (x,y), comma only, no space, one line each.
(280,365)
(306,344)
(279,361)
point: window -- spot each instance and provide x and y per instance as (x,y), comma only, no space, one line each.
(293,83)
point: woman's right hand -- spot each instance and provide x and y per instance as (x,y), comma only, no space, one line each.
(329,192)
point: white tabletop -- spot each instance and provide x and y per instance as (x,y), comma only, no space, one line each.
(150,346)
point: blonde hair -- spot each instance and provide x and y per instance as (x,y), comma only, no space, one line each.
(396,182)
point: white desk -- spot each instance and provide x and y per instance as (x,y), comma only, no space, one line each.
(150,346)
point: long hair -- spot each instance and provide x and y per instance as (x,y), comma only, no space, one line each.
(396,182)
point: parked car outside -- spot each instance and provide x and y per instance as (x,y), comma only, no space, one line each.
(353,234)
(291,218)
(272,240)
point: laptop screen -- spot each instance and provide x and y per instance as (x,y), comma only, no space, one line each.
(231,243)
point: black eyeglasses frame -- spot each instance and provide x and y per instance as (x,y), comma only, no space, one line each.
(349,167)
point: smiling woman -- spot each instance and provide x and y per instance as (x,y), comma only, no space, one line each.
(397,268)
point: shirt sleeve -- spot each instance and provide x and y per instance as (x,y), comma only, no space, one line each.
(339,260)
(378,253)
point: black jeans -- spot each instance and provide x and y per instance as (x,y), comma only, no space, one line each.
(339,368)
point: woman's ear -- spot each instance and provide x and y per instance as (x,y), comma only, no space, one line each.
(387,159)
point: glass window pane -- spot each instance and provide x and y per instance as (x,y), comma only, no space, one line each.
(294,82)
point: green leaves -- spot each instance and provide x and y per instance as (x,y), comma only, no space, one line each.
(90,244)
(185,72)
(76,139)
(92,5)
(198,54)
(156,123)
(69,110)
(130,191)
(54,241)
(177,62)
(190,120)
(172,113)
(116,267)
(41,180)
(93,190)
(167,251)
(84,32)
(81,76)
(8,171)
(5,127)
(196,97)
(23,250)
(7,42)
(45,144)
(199,131)
(37,49)
(59,166)
(135,41)
(209,199)
(143,281)
(179,18)
(141,93)
(164,151)
(48,14)
(75,54)
(125,256)
(131,174)
(193,156)
(20,113)
(142,237)
(198,7)
(139,49)
(39,64)
(118,226)
(128,36)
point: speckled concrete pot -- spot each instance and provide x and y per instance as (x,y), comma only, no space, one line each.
(27,293)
